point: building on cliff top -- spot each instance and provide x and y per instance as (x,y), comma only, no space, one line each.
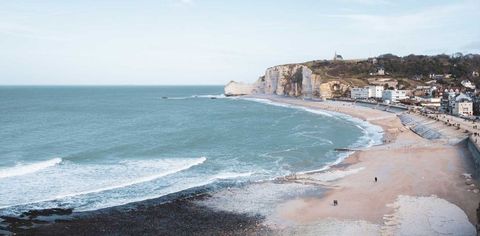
(380,72)
(337,57)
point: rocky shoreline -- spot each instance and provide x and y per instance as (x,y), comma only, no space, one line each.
(180,216)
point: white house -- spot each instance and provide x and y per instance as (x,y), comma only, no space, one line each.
(381,71)
(394,95)
(359,93)
(463,106)
(375,91)
(366,92)
(429,102)
(467,84)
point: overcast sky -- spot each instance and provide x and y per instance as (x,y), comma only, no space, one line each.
(213,42)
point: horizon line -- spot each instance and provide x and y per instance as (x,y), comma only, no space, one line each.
(104,85)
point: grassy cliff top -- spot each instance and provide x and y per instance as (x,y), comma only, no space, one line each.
(411,70)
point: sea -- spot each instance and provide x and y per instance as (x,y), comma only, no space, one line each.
(93,147)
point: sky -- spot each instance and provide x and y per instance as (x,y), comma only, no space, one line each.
(201,42)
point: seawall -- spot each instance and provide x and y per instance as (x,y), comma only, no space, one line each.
(474,148)
(436,130)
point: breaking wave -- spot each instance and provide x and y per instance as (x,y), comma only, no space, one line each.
(211,96)
(23,169)
(269,102)
(173,168)
(72,179)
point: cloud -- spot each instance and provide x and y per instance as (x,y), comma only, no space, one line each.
(12,28)
(441,28)
(428,18)
(24,31)
(184,2)
(368,2)
(181,3)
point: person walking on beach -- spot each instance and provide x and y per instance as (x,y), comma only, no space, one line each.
(375,179)
(335,202)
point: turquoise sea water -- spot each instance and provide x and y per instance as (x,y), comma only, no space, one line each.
(95,147)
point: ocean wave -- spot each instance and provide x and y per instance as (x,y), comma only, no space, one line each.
(279,104)
(172,189)
(176,98)
(315,111)
(230,175)
(174,168)
(372,134)
(266,101)
(335,174)
(23,169)
(81,203)
(211,96)
(73,180)
(327,166)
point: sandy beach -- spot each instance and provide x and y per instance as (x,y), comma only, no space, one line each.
(424,188)
(405,165)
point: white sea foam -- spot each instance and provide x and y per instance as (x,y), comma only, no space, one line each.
(279,104)
(174,168)
(23,169)
(315,111)
(198,182)
(107,185)
(176,98)
(210,96)
(72,180)
(231,175)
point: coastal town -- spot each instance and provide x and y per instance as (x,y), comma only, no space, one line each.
(461,101)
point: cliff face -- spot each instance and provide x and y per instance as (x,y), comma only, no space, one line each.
(289,80)
(236,88)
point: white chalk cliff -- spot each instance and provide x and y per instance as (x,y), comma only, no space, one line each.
(290,80)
